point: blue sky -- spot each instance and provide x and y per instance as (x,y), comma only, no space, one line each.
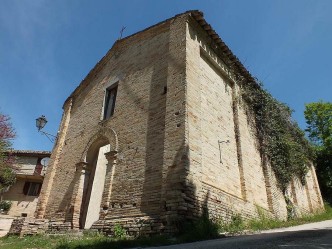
(48,47)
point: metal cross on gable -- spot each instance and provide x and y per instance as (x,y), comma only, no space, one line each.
(121,32)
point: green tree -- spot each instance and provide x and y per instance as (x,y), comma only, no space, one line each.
(7,174)
(319,127)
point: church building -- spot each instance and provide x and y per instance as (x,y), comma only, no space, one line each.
(156,132)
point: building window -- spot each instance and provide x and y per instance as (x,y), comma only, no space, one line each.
(39,167)
(32,188)
(109,105)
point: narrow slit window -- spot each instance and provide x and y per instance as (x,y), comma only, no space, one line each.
(110,101)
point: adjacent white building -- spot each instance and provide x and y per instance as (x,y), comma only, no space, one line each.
(31,168)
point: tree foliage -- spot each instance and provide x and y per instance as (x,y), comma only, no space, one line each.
(7,174)
(281,140)
(319,127)
(319,123)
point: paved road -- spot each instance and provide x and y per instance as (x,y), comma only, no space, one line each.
(312,236)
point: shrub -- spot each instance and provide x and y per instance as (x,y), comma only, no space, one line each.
(119,232)
(236,224)
(200,229)
(5,205)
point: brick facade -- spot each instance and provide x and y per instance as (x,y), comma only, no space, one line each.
(180,139)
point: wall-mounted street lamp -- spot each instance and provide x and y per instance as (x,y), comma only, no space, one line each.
(40,123)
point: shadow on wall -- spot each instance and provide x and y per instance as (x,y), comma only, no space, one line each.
(202,227)
(163,177)
(153,106)
(155,136)
(175,188)
(69,197)
(186,214)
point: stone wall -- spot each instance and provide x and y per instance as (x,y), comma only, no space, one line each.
(134,226)
(33,226)
(28,226)
(227,173)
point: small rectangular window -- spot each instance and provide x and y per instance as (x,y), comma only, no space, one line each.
(110,97)
(32,188)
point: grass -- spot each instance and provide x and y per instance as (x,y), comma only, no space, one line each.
(237,224)
(265,223)
(84,242)
(198,230)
